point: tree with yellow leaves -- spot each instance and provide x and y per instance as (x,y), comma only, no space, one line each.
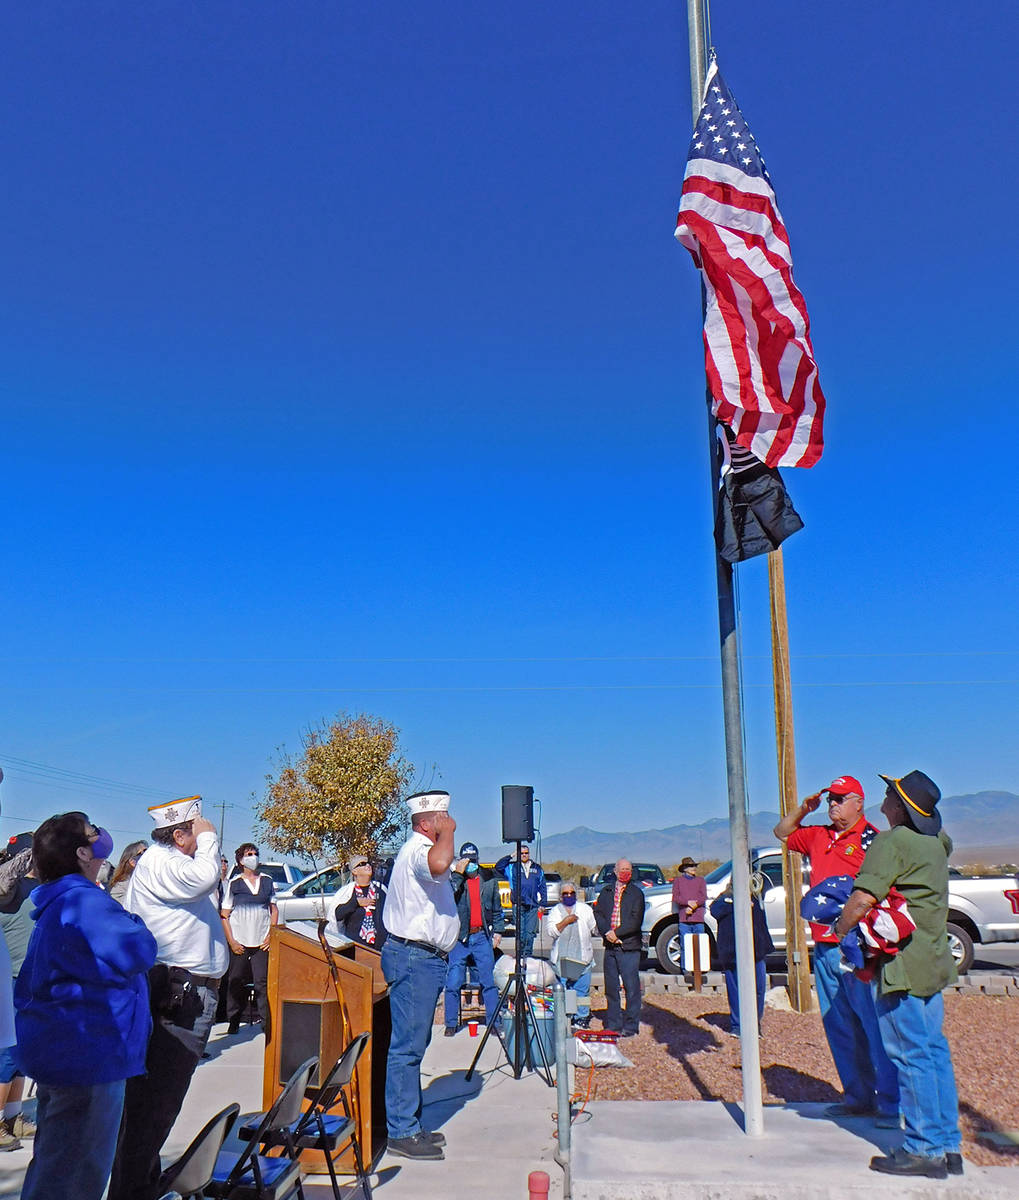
(342,795)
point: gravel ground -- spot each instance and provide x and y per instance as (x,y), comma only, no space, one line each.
(684,1053)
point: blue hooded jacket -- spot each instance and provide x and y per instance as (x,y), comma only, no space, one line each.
(82,996)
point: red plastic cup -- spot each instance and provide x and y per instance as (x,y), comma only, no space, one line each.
(472,1028)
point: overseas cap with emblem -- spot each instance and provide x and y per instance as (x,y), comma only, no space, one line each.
(176,812)
(920,794)
(428,802)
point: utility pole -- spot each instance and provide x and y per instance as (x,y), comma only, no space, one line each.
(222,806)
(797,962)
(753,1105)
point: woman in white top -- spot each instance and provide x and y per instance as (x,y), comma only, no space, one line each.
(571,925)
(249,912)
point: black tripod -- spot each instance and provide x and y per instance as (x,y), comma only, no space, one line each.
(524,1029)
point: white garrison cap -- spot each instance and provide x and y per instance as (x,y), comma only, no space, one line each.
(176,812)
(428,802)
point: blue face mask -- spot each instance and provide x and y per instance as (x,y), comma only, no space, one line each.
(569,901)
(102,847)
(472,868)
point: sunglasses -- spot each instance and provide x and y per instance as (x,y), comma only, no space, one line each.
(358,866)
(90,830)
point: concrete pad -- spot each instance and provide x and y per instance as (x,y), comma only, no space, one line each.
(696,1150)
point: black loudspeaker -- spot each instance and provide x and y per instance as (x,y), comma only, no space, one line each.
(517,813)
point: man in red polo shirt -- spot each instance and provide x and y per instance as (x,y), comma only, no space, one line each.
(869,1080)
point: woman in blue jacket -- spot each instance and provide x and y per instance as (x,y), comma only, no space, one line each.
(82,1010)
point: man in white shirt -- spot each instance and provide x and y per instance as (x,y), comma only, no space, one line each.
(173,890)
(423,926)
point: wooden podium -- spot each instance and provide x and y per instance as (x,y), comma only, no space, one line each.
(310,1014)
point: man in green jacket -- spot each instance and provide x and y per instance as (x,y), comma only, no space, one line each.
(912,857)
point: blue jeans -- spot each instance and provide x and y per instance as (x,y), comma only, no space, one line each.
(528,931)
(153,1101)
(911,1028)
(732,994)
(850,1022)
(479,948)
(416,978)
(686,927)
(75,1141)
(582,987)
(622,965)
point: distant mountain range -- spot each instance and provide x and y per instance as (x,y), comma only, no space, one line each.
(981,825)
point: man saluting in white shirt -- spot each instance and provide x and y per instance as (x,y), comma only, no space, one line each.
(423,925)
(173,890)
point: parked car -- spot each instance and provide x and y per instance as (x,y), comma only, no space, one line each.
(648,875)
(980,909)
(553,884)
(283,874)
(314,896)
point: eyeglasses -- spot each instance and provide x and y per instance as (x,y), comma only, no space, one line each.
(90,830)
(358,866)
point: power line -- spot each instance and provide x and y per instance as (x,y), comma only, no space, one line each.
(340,688)
(579,658)
(25,766)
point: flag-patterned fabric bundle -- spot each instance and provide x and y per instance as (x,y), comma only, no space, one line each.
(880,933)
(760,361)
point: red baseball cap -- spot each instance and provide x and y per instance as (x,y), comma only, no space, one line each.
(845,785)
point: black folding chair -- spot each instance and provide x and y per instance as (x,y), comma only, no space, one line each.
(253,1176)
(318,1129)
(191,1173)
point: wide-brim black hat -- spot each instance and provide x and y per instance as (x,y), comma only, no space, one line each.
(920,794)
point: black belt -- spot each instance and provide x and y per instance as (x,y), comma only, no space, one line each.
(202,980)
(421,946)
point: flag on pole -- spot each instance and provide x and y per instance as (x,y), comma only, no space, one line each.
(760,362)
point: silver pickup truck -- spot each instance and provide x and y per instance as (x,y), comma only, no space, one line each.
(981,909)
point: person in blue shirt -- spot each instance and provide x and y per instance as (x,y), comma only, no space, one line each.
(82,1010)
(481,924)
(529,878)
(725,943)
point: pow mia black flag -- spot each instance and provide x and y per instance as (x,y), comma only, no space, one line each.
(755,514)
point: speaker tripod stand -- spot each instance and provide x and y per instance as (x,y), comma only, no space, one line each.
(524,1032)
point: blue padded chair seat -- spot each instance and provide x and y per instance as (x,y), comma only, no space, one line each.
(336,1127)
(279,1178)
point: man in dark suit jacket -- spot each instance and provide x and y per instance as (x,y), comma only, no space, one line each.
(619,913)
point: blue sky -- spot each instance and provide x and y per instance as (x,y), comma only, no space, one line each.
(350,363)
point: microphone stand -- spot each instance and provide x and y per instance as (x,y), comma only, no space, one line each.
(524,1019)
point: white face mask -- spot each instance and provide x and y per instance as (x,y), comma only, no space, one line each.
(250,861)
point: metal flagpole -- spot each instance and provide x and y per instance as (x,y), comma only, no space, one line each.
(753,1107)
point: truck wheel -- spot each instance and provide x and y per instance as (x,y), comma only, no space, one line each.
(667,949)
(962,947)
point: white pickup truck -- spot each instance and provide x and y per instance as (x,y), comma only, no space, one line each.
(981,909)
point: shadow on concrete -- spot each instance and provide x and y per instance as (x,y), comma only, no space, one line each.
(223,1041)
(446,1095)
(861,1127)
(318,1187)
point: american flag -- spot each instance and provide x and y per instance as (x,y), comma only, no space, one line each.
(760,363)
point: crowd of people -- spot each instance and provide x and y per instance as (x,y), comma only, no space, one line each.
(108,994)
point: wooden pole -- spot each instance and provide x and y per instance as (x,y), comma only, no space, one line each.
(797,961)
